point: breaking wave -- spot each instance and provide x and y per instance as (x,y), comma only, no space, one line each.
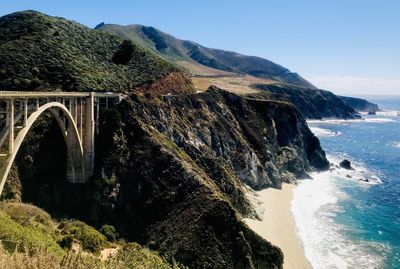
(315,206)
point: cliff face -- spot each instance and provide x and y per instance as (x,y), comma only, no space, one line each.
(178,166)
(359,104)
(170,173)
(264,142)
(312,103)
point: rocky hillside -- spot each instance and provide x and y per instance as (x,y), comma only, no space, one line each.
(195,57)
(360,104)
(313,103)
(40,52)
(171,173)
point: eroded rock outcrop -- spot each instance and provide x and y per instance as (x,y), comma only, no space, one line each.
(179,165)
(262,141)
(171,173)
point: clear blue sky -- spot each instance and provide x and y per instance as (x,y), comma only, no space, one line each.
(348,46)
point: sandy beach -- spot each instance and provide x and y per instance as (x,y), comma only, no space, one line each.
(278,225)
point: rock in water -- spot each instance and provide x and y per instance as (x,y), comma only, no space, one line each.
(346,165)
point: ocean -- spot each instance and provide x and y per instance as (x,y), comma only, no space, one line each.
(351,219)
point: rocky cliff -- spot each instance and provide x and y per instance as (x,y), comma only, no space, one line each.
(313,103)
(359,104)
(171,173)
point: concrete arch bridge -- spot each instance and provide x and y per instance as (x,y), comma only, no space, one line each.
(77,116)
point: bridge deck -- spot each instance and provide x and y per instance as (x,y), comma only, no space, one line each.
(25,94)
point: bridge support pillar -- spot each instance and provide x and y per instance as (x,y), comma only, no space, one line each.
(10,116)
(25,112)
(7,117)
(88,138)
(80,119)
(75,162)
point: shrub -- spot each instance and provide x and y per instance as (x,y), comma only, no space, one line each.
(66,242)
(125,52)
(109,232)
(27,214)
(35,82)
(15,236)
(133,255)
(89,238)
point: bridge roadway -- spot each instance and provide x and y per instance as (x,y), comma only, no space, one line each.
(76,113)
(26,94)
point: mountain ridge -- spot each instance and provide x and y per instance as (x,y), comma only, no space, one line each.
(178,50)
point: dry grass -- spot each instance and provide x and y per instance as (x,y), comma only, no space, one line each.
(131,256)
(237,84)
(43,259)
(202,70)
(30,238)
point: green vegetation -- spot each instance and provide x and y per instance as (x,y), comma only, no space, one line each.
(109,232)
(135,256)
(131,257)
(29,238)
(38,51)
(28,233)
(89,238)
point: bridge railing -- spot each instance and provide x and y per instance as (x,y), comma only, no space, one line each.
(30,94)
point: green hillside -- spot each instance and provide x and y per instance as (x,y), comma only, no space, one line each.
(198,59)
(38,51)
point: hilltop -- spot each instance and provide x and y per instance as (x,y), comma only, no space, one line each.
(203,61)
(39,51)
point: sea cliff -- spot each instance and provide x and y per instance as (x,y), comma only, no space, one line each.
(172,173)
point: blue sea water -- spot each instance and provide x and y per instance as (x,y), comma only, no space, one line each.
(344,221)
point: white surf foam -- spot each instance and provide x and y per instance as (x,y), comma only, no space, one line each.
(397,144)
(360,173)
(388,113)
(315,205)
(379,120)
(340,121)
(321,132)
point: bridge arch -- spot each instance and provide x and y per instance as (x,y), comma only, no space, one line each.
(75,152)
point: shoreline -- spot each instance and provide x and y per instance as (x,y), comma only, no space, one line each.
(278,226)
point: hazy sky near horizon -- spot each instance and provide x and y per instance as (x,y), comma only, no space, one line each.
(347,46)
